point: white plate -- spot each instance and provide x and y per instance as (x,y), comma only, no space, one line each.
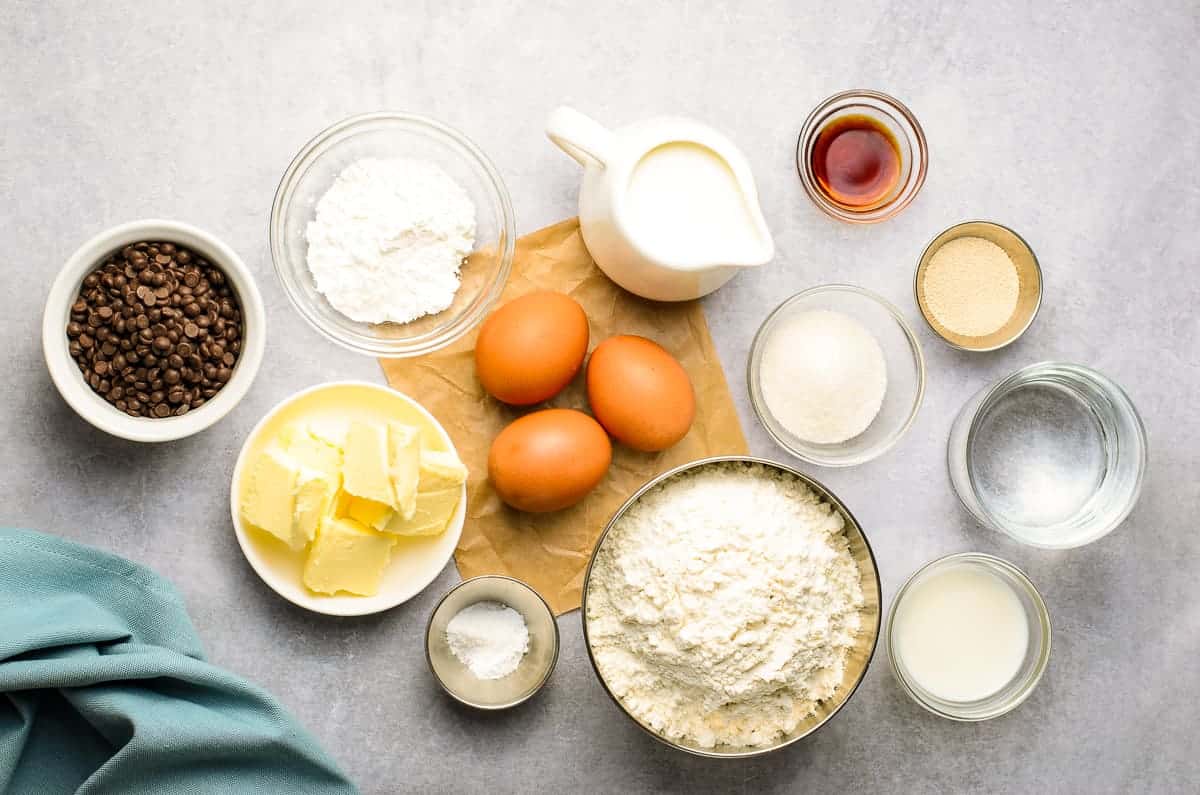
(415,562)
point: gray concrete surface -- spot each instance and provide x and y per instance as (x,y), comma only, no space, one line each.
(1077,124)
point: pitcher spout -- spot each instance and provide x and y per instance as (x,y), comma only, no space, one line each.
(761,249)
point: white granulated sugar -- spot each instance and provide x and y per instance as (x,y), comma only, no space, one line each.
(388,239)
(723,605)
(489,638)
(823,376)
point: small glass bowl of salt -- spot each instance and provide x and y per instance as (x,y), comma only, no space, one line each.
(491,642)
(836,375)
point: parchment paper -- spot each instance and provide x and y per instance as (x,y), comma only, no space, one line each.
(551,551)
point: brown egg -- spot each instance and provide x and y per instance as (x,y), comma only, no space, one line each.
(640,393)
(530,348)
(548,460)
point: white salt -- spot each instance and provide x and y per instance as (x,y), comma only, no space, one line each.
(489,638)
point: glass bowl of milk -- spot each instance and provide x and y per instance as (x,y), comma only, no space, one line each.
(968,637)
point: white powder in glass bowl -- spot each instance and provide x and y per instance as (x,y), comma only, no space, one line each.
(388,239)
(823,376)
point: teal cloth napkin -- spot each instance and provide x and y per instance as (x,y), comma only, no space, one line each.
(104,688)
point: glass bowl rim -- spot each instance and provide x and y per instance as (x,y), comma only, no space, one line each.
(422,344)
(754,382)
(917,143)
(1044,627)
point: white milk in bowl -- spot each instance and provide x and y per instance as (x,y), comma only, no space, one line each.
(961,633)
(685,205)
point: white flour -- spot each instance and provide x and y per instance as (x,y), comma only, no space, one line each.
(388,239)
(489,638)
(722,607)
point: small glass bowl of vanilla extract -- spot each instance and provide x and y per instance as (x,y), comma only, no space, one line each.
(862,156)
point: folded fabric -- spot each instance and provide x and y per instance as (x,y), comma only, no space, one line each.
(104,688)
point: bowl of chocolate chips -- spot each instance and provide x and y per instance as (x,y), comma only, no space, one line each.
(153,330)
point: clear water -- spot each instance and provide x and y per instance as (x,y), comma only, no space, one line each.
(1039,456)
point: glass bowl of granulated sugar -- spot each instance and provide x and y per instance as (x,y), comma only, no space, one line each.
(836,375)
(392,234)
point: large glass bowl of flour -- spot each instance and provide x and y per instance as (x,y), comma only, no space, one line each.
(389,136)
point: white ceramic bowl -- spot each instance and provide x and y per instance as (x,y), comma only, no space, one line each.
(65,372)
(415,562)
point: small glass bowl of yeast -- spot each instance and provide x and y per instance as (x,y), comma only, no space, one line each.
(968,637)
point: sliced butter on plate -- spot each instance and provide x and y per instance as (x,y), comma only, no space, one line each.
(317,482)
(307,449)
(438,493)
(365,463)
(441,470)
(314,493)
(434,509)
(404,466)
(339,506)
(373,514)
(269,498)
(347,556)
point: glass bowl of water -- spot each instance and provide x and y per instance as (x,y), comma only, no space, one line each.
(1053,455)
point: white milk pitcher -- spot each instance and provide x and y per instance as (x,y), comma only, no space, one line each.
(668,206)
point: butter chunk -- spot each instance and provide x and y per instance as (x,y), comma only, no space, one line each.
(308,450)
(373,514)
(269,495)
(314,492)
(404,466)
(434,509)
(441,470)
(347,556)
(365,463)
(339,506)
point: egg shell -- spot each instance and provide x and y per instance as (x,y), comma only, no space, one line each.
(548,460)
(529,349)
(640,393)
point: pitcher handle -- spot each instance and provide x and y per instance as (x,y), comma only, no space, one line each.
(579,136)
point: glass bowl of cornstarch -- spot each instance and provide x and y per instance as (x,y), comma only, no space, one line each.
(392,234)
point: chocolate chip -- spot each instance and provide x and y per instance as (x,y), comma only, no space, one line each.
(155,330)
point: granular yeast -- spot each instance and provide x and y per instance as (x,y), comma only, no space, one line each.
(971,287)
